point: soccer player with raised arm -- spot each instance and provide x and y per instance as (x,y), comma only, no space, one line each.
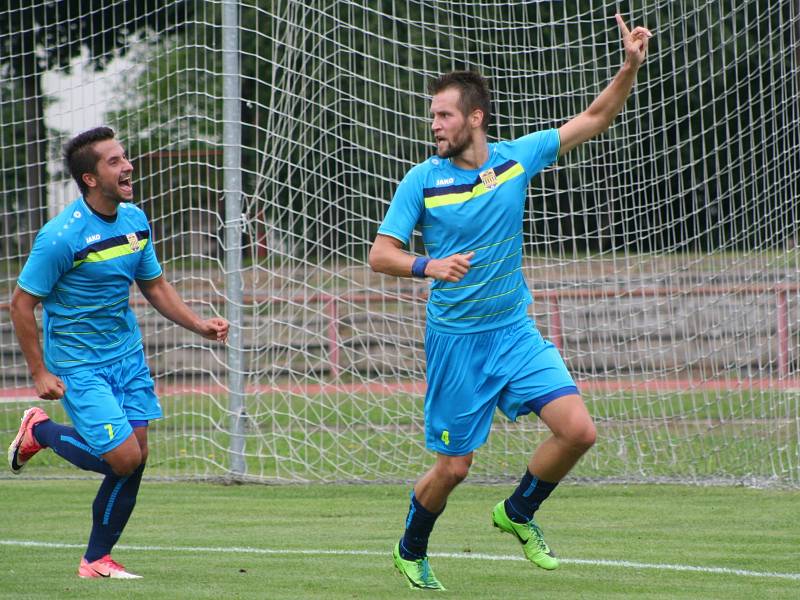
(483,351)
(81,269)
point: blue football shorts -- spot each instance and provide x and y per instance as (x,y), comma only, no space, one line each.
(469,375)
(105,403)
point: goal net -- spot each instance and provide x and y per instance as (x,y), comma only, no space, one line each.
(662,256)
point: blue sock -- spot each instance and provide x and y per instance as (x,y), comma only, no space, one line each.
(419,524)
(69,445)
(111,510)
(525,500)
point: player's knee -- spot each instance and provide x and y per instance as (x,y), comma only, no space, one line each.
(126,464)
(459,474)
(583,435)
(457,470)
(125,469)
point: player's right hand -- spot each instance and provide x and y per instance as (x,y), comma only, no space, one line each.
(635,41)
(215,329)
(453,268)
(48,386)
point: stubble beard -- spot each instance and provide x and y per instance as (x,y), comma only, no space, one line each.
(457,147)
(114,194)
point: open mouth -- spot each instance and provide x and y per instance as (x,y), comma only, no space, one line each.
(126,184)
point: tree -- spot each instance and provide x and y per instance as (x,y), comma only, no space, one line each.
(38,36)
(333,107)
(12,160)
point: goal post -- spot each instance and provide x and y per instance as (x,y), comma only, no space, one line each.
(662,256)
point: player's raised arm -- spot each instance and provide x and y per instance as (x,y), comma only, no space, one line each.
(601,113)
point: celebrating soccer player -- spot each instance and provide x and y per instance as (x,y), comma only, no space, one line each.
(81,268)
(483,351)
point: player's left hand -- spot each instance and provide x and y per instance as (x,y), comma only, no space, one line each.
(635,42)
(215,329)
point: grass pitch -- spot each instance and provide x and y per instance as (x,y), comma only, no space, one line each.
(199,540)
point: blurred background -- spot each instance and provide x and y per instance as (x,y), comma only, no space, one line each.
(268,137)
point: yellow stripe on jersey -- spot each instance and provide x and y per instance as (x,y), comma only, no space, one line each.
(474,300)
(111,253)
(495,262)
(93,306)
(478,190)
(474,317)
(475,285)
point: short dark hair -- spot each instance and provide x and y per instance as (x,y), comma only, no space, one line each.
(79,154)
(474,92)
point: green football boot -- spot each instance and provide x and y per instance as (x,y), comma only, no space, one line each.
(418,572)
(529,535)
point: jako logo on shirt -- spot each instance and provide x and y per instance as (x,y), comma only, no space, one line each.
(445,181)
(92,238)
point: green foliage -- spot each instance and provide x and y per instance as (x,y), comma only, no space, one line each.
(12,162)
(334,107)
(34,38)
(37,36)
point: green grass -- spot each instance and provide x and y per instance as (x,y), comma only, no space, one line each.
(212,541)
(704,435)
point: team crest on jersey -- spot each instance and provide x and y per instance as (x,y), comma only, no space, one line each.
(133,241)
(489,179)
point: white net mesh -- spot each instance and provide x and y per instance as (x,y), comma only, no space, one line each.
(662,255)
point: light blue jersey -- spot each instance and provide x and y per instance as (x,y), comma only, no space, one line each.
(479,210)
(82,267)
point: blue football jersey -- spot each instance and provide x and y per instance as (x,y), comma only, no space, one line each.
(82,267)
(480,210)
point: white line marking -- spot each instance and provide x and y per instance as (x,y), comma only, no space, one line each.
(625,564)
(27,400)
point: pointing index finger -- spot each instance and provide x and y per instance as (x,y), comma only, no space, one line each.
(623,28)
